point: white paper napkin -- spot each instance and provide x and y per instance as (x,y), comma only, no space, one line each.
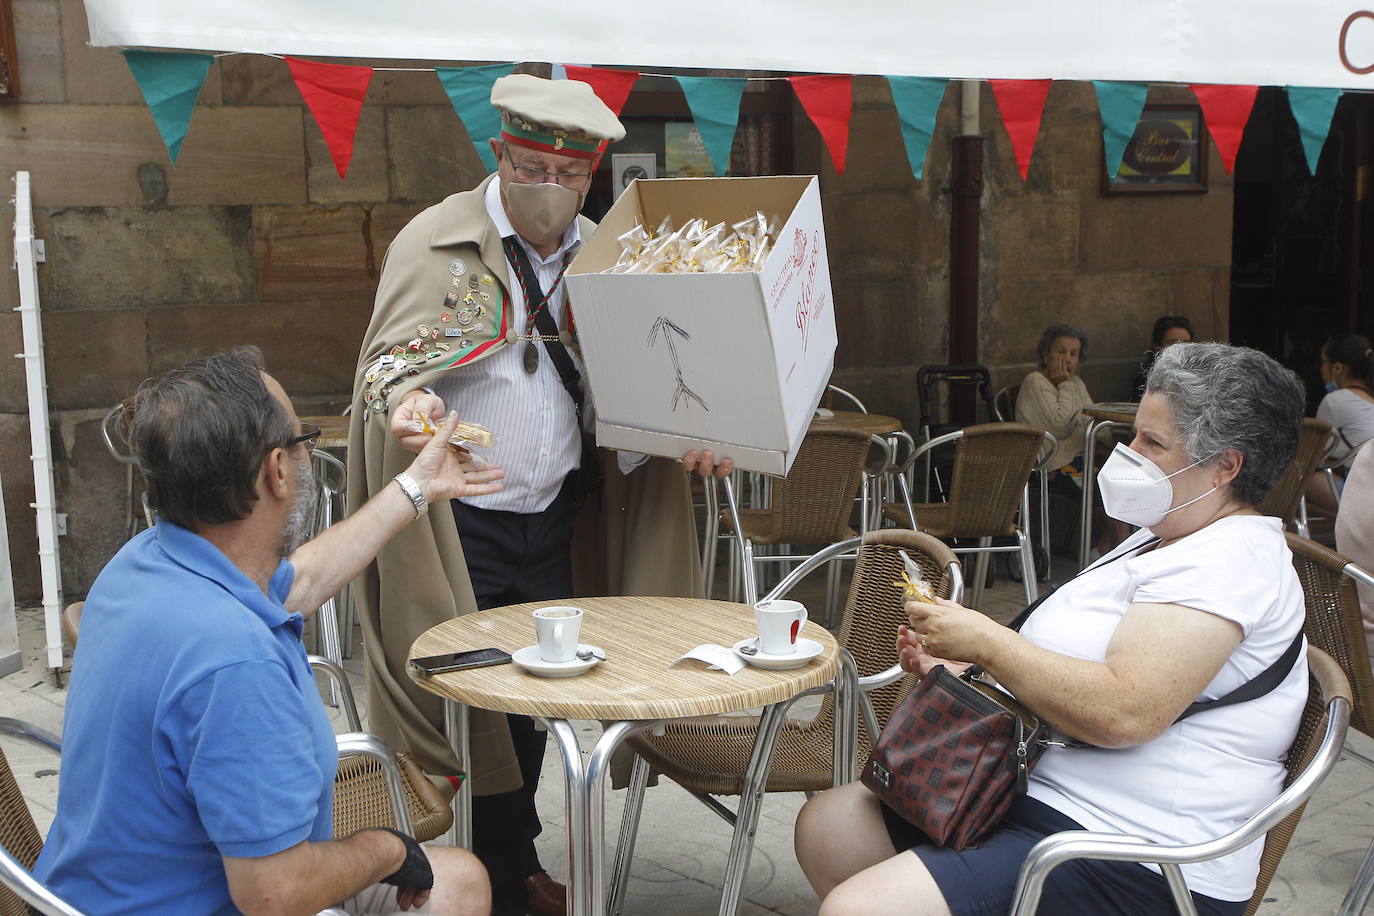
(715,656)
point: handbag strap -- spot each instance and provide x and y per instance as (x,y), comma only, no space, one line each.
(543,323)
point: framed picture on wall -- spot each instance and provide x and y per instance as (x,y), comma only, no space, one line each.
(1166,154)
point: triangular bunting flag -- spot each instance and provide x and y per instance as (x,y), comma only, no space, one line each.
(1022,102)
(170,82)
(611,86)
(714,102)
(1119,105)
(828,99)
(1226,110)
(1313,109)
(334,94)
(469,91)
(918,101)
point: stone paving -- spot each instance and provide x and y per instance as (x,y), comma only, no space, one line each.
(680,858)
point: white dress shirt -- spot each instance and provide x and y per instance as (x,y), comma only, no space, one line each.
(531,416)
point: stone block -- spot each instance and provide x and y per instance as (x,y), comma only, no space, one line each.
(367,171)
(16,473)
(79,155)
(38,46)
(312,253)
(256,79)
(241,156)
(871,237)
(1032,235)
(890,391)
(871,90)
(94,358)
(91,489)
(99,76)
(13,386)
(1155,232)
(877,324)
(311,347)
(387,220)
(102,258)
(430,153)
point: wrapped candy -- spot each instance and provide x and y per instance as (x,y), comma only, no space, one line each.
(464,434)
(913,585)
(697,247)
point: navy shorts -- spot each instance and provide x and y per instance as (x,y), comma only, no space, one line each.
(981,881)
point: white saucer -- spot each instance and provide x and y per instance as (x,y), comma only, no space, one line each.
(528,658)
(807,649)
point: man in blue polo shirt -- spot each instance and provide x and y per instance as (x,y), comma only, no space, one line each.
(198,761)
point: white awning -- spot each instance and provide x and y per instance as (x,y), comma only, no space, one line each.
(1266,42)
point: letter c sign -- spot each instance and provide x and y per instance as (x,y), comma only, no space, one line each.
(1345,32)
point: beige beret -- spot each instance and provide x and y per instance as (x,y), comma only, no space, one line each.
(541,106)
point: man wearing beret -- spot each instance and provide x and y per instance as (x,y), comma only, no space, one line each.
(472,315)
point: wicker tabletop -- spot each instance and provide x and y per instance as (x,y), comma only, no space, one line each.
(875,424)
(333,430)
(641,637)
(1112,411)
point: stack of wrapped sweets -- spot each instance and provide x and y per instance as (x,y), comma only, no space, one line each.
(697,248)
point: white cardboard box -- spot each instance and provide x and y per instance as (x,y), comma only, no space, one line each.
(732,362)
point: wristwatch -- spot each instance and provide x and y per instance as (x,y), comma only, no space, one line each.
(412,489)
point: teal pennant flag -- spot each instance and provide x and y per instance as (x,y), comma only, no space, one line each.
(1313,109)
(170,82)
(1119,105)
(918,102)
(469,91)
(714,101)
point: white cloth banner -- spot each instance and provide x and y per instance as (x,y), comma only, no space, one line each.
(1268,42)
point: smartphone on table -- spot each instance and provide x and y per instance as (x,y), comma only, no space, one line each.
(458,661)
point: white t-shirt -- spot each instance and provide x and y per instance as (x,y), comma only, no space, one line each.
(1208,774)
(1352,416)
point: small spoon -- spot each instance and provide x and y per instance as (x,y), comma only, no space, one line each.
(587,655)
(750,648)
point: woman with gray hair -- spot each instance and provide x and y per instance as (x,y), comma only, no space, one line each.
(1200,601)
(1053,396)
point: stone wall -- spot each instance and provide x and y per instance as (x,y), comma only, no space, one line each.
(253,238)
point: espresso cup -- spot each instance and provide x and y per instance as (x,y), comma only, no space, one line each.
(558,629)
(779,622)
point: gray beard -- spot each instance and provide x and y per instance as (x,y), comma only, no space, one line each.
(302,517)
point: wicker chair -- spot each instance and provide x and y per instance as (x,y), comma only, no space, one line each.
(993,463)
(1315,750)
(811,505)
(709,755)
(1314,442)
(1334,625)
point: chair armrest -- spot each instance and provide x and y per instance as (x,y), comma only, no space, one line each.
(340,680)
(816,559)
(18,728)
(1358,574)
(27,888)
(361,744)
(836,389)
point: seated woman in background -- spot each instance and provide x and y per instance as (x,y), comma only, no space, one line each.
(1200,601)
(1355,532)
(1053,396)
(1168,330)
(1347,368)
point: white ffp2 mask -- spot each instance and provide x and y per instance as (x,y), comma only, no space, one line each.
(1135,491)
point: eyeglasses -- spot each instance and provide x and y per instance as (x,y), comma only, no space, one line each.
(309,436)
(571,180)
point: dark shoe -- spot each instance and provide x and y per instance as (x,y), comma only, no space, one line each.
(547,896)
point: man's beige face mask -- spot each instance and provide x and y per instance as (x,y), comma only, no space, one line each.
(541,211)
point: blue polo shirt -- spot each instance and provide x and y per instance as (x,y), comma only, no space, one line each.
(193,730)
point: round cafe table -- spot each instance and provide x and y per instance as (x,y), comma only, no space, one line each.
(875,424)
(1109,415)
(635,688)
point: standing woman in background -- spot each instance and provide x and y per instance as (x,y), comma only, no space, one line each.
(1347,368)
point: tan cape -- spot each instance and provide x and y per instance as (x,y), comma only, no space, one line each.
(640,540)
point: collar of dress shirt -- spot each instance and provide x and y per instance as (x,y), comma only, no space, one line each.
(571,238)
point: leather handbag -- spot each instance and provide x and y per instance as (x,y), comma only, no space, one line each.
(953,755)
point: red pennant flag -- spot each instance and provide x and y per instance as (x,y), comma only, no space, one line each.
(1022,102)
(611,86)
(1226,110)
(334,94)
(829,101)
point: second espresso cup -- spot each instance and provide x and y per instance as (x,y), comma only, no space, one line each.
(779,622)
(558,629)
